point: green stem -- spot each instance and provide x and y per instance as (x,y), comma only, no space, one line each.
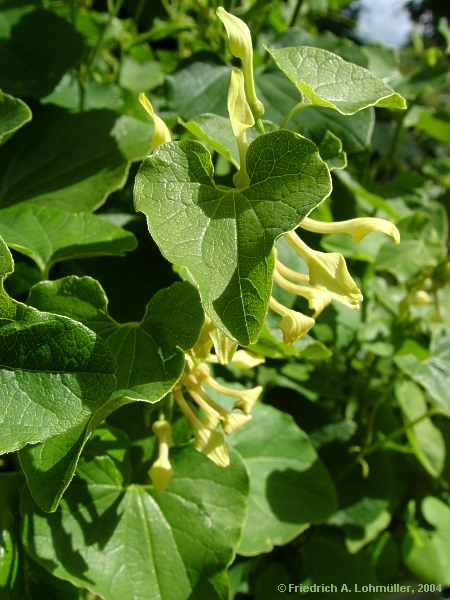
(402,430)
(295,13)
(294,110)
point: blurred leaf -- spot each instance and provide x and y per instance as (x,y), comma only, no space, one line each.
(426,552)
(425,438)
(140,76)
(431,371)
(29,67)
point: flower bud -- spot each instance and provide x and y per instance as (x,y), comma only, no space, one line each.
(328,270)
(161,471)
(293,324)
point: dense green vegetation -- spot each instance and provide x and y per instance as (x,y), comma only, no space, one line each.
(225,303)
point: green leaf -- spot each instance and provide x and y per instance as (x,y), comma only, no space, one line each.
(140,76)
(224,236)
(71,161)
(14,113)
(279,96)
(437,128)
(55,372)
(49,235)
(325,79)
(93,95)
(29,67)
(367,503)
(215,131)
(331,151)
(425,438)
(422,245)
(289,486)
(431,371)
(199,88)
(149,362)
(426,552)
(148,543)
(326,562)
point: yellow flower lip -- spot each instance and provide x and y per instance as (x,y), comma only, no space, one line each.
(241,117)
(161,134)
(357,228)
(293,324)
(161,473)
(328,271)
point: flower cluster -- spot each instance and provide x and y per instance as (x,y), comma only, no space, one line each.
(209,420)
(328,277)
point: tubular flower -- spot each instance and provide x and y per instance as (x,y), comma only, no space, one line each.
(209,439)
(161,471)
(240,42)
(328,277)
(328,271)
(357,228)
(293,324)
(161,134)
(241,119)
(318,299)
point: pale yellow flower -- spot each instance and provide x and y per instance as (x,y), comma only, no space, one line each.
(161,471)
(208,440)
(357,228)
(328,271)
(293,324)
(318,298)
(245,360)
(161,133)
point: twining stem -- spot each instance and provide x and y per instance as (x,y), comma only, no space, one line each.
(294,110)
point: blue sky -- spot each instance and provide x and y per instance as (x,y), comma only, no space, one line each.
(386,21)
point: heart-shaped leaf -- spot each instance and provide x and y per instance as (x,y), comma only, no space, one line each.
(13,115)
(149,362)
(224,236)
(325,79)
(55,371)
(150,544)
(49,235)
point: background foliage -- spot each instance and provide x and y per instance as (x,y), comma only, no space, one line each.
(343,475)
